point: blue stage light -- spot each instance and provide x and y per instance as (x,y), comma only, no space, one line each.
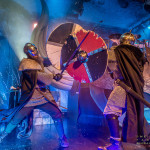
(148,27)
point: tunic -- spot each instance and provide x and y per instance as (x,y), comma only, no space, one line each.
(43,80)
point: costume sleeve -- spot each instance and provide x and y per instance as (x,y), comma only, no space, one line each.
(117,73)
(45,78)
(113,65)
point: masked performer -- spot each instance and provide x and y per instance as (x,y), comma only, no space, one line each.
(129,69)
(35,93)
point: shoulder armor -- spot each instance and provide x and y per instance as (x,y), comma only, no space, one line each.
(29,64)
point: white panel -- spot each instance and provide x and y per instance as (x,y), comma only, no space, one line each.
(54,53)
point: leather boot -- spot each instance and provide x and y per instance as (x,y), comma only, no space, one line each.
(26,127)
(114,145)
(60,130)
(63,141)
(115,140)
(8,130)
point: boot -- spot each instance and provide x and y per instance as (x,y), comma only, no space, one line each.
(114,145)
(115,140)
(25,127)
(60,130)
(63,141)
(4,134)
(8,130)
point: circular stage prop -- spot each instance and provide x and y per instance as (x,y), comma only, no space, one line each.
(82,53)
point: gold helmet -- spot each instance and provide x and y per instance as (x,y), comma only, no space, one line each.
(127,38)
(30,49)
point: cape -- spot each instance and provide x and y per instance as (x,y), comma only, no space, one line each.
(131,64)
(28,82)
(28,78)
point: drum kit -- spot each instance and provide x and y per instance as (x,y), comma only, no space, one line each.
(144,45)
(139,43)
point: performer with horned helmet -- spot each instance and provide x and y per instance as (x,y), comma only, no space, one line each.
(36,94)
(129,69)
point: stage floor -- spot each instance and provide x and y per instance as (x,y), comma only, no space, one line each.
(44,137)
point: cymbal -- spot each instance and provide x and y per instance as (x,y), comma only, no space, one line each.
(137,36)
(115,36)
(146,40)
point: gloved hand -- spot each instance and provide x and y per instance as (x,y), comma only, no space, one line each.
(57,76)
